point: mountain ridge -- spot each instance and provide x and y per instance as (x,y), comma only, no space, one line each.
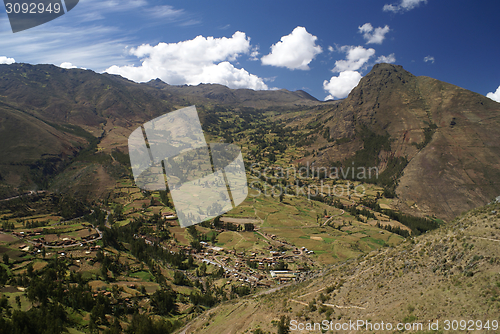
(242,96)
(438,144)
(422,115)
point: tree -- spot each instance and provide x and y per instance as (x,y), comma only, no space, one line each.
(97,317)
(217,222)
(181,279)
(249,227)
(196,245)
(284,325)
(163,301)
(6,258)
(115,328)
(281,265)
(142,323)
(164,198)
(104,273)
(203,269)
(118,212)
(116,291)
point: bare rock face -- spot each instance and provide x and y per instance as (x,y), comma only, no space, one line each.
(459,169)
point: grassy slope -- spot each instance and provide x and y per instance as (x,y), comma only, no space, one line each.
(449,273)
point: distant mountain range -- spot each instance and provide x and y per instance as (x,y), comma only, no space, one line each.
(439,145)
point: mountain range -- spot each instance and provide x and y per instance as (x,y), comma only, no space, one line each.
(437,146)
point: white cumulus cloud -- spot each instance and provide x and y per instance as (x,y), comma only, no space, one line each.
(200,60)
(340,86)
(494,96)
(403,6)
(386,59)
(294,51)
(67,65)
(254,54)
(356,57)
(5,60)
(373,35)
(429,59)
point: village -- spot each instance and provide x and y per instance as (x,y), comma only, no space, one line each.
(258,269)
(272,265)
(36,241)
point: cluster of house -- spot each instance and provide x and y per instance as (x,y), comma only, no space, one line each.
(27,234)
(24,247)
(275,238)
(235,263)
(147,239)
(236,268)
(63,242)
(283,275)
(38,243)
(108,294)
(304,250)
(169,215)
(90,237)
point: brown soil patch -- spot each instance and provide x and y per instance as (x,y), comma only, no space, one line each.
(97,284)
(39,265)
(85,232)
(9,289)
(178,232)
(51,237)
(7,238)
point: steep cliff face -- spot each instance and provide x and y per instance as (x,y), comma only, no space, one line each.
(459,168)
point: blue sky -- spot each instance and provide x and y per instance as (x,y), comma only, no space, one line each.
(322,47)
